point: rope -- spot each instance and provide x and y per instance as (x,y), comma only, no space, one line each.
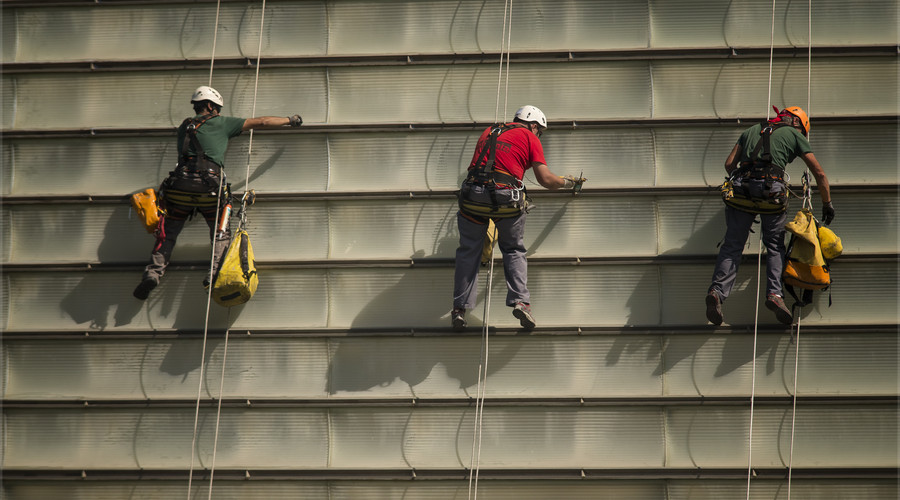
(771,59)
(794,407)
(753,372)
(212,59)
(243,215)
(219,208)
(807,203)
(505,41)
(507,8)
(482,384)
(758,276)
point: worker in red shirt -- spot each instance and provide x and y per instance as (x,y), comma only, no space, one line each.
(493,190)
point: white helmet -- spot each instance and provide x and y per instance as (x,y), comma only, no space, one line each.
(532,114)
(210,94)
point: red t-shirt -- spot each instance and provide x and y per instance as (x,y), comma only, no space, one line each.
(516,151)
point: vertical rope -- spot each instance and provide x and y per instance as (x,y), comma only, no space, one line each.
(212,58)
(794,406)
(807,203)
(508,45)
(475,464)
(771,58)
(262,19)
(482,386)
(500,72)
(212,467)
(759,277)
(212,470)
(219,208)
(753,371)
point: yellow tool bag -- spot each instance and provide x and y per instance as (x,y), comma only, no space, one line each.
(237,278)
(490,238)
(832,247)
(805,266)
(145,206)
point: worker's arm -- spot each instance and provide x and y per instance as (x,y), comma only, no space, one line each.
(547,178)
(550,180)
(822,183)
(731,163)
(819,174)
(271,122)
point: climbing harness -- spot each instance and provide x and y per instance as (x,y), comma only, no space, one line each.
(758,186)
(491,179)
(475,462)
(224,208)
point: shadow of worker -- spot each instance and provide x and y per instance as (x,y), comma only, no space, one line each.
(706,231)
(102,292)
(365,359)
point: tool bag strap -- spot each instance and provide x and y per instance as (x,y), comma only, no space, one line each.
(199,162)
(484,171)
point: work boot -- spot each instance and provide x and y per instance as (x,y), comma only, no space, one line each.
(714,308)
(776,304)
(143,289)
(522,311)
(458,319)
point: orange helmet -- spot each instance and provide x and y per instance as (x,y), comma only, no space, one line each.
(799,113)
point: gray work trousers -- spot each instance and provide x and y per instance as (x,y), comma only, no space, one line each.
(738,225)
(510,240)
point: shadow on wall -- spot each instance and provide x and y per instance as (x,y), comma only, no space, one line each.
(100,293)
(96,294)
(415,361)
(419,364)
(735,353)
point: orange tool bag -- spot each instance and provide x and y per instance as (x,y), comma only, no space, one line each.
(148,211)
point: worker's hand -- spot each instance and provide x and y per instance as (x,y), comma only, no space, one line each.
(827,213)
(573,182)
(295,121)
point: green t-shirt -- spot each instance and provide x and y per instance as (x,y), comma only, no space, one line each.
(785,144)
(213,136)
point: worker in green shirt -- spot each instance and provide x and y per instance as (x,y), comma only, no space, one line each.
(757,166)
(198,181)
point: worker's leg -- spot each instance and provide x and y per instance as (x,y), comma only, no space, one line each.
(511,241)
(468,259)
(169,229)
(220,243)
(773,239)
(738,225)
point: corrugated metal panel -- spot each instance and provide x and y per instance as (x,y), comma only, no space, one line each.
(713,437)
(303,28)
(688,23)
(625,365)
(588,295)
(385,438)
(581,227)
(260,489)
(470,26)
(123,32)
(630,157)
(711,88)
(849,86)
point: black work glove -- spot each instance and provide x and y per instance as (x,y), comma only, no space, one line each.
(827,212)
(296,121)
